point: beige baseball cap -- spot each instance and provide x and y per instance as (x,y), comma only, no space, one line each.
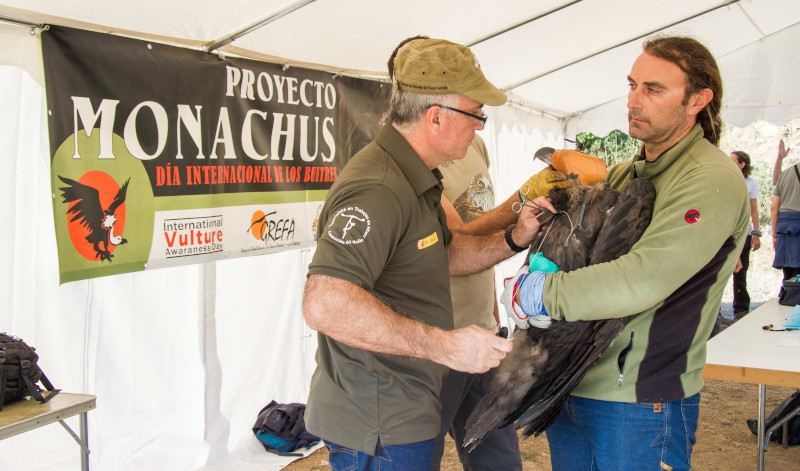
(440,67)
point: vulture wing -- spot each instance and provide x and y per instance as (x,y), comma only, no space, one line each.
(594,224)
(87,210)
(119,198)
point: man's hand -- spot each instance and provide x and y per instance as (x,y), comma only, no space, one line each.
(782,150)
(755,242)
(739,266)
(474,350)
(541,183)
(782,153)
(527,224)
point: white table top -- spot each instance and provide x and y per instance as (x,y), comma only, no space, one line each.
(745,352)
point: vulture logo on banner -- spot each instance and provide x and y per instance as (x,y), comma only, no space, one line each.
(96,213)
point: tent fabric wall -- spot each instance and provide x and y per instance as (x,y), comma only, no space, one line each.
(181,359)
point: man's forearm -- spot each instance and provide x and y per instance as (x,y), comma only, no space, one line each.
(754,213)
(497,219)
(776,172)
(774,213)
(472,253)
(353,316)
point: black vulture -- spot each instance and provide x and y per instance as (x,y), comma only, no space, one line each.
(89,213)
(595,224)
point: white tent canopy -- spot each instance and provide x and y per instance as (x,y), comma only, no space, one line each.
(565,58)
(182,359)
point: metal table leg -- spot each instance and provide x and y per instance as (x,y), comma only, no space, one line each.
(84,430)
(82,440)
(762,403)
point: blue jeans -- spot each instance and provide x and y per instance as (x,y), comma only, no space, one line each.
(600,435)
(411,457)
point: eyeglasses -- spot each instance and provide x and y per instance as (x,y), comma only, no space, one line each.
(482,118)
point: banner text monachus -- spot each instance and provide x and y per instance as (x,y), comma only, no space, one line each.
(283,129)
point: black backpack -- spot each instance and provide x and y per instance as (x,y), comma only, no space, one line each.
(19,372)
(783,409)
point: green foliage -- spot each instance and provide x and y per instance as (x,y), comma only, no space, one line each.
(762,174)
(619,147)
(614,148)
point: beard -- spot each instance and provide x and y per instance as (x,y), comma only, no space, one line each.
(663,130)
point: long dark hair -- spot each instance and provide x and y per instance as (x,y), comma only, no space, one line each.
(743,158)
(701,70)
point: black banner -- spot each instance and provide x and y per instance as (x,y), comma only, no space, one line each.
(155,128)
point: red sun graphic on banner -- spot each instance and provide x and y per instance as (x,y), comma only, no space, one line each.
(95,214)
(258,225)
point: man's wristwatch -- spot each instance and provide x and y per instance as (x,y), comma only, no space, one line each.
(757,233)
(510,241)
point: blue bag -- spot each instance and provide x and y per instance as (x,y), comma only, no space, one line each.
(793,321)
(281,429)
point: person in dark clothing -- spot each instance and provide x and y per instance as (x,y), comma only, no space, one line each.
(741,298)
(785,214)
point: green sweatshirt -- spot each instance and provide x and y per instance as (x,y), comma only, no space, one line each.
(670,283)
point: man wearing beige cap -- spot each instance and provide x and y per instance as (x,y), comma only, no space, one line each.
(378,285)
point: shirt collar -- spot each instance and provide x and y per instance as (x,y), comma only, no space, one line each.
(414,169)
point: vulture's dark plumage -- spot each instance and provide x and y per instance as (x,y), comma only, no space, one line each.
(534,380)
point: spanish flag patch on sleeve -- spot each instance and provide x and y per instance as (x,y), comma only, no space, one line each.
(428,241)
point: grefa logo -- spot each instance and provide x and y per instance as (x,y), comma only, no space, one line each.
(269,228)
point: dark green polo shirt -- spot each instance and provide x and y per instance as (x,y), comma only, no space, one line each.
(382,227)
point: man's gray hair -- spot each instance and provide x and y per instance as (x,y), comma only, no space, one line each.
(405,108)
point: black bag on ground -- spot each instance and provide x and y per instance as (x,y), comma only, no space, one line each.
(784,408)
(281,428)
(19,371)
(790,293)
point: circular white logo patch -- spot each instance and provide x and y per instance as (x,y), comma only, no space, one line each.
(349,225)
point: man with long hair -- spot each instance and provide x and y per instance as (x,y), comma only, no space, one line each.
(637,407)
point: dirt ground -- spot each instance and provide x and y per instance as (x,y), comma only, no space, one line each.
(723,440)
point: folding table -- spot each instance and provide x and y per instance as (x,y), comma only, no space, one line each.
(746,353)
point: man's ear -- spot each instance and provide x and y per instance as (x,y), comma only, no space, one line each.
(433,118)
(699,100)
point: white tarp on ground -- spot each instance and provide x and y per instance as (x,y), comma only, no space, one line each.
(182,359)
